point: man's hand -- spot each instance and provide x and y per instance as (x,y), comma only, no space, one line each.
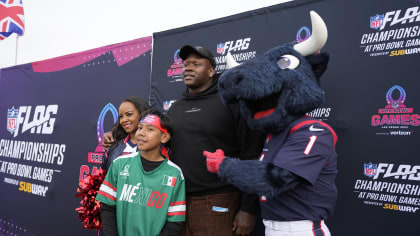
(214,159)
(107,140)
(244,223)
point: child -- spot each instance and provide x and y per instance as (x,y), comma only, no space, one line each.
(144,192)
(125,129)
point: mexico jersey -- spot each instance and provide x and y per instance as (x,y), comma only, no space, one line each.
(307,149)
(144,200)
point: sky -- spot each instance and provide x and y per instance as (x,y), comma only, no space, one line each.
(56,27)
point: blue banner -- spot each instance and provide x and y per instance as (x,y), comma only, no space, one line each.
(54,113)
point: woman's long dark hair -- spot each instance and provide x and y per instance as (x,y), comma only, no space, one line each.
(118,132)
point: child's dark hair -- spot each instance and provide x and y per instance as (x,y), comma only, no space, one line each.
(165,122)
(140,104)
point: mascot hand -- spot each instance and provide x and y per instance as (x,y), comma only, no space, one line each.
(214,159)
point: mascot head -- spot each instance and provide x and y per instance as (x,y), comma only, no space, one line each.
(281,85)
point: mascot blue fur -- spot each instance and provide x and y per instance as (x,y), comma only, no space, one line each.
(295,175)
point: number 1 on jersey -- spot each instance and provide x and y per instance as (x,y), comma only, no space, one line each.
(311,143)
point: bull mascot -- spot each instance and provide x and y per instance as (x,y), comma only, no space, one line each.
(295,174)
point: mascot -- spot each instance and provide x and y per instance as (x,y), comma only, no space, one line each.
(295,174)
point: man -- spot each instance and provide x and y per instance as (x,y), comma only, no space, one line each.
(202,122)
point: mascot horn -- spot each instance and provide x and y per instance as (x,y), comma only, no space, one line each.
(295,174)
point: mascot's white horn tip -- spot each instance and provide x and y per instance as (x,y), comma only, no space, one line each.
(230,61)
(318,38)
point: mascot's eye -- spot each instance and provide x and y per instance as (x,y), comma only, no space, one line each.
(288,62)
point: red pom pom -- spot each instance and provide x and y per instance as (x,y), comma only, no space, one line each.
(89,212)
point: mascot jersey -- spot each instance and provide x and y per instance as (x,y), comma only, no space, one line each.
(144,200)
(306,148)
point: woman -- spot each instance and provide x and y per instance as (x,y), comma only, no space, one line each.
(125,129)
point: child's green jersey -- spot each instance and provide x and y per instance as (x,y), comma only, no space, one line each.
(144,200)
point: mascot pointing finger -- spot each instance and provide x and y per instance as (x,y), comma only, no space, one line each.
(295,175)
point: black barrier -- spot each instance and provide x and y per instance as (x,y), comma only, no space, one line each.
(371,96)
(55,111)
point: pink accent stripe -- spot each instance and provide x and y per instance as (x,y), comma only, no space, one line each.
(107,195)
(122,52)
(126,139)
(179,213)
(313,227)
(320,228)
(308,122)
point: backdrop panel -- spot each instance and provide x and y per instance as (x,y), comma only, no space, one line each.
(371,96)
(53,114)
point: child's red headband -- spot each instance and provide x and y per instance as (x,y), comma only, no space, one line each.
(155,121)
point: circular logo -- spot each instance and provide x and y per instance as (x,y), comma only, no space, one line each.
(401,99)
(177,59)
(100,124)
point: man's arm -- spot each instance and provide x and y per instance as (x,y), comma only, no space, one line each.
(243,223)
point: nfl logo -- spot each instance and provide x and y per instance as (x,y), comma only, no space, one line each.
(166,105)
(370,169)
(12,119)
(376,21)
(220,48)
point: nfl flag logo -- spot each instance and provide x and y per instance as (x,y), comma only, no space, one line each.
(376,21)
(220,48)
(169,181)
(11,119)
(370,169)
(166,105)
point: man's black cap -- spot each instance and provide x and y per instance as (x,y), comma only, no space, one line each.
(203,52)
